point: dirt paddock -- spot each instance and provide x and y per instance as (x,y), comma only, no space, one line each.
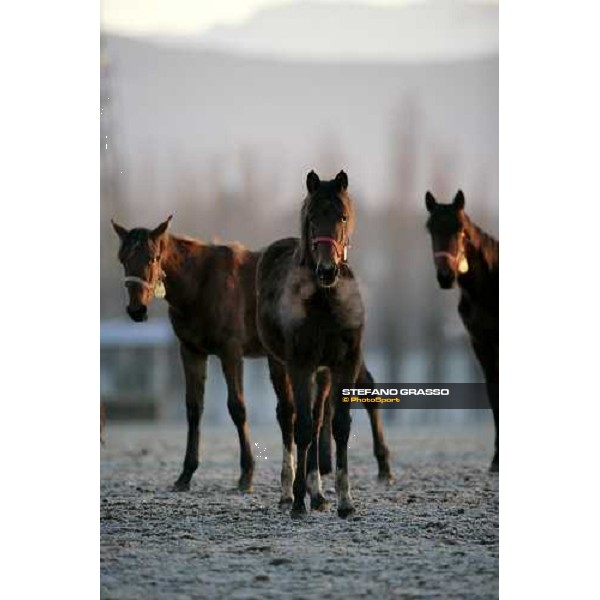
(433,533)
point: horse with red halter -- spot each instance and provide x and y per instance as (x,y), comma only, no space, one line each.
(466,255)
(311,316)
(211,294)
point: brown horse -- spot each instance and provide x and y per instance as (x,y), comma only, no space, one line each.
(210,290)
(465,254)
(310,316)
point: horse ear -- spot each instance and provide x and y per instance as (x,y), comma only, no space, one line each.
(312,182)
(156,233)
(459,200)
(120,230)
(430,201)
(341,180)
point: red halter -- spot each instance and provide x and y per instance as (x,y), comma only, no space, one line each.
(454,258)
(325,239)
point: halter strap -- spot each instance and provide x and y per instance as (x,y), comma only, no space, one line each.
(133,279)
(325,239)
(453,257)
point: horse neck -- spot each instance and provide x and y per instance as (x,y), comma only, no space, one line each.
(482,255)
(180,277)
(305,257)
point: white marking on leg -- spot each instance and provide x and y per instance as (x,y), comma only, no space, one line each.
(313,484)
(287,474)
(342,488)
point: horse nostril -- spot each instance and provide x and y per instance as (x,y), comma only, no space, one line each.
(327,274)
(328,270)
(138,314)
(446,280)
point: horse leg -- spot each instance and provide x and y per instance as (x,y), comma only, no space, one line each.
(489,364)
(341,433)
(285,417)
(323,379)
(194,369)
(233,370)
(493,395)
(380,450)
(301,386)
(313,479)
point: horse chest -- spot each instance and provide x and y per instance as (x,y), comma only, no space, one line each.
(330,312)
(480,321)
(320,344)
(303,304)
(327,329)
(199,334)
(189,335)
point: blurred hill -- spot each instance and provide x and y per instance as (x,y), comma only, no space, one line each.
(181,117)
(430,30)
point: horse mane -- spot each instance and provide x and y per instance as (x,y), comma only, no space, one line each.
(186,240)
(483,242)
(303,249)
(191,243)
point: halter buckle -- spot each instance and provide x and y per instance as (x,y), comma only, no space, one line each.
(158,288)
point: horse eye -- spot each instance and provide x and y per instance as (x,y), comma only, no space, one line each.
(344,218)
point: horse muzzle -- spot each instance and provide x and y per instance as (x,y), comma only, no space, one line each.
(138,314)
(445,263)
(327,276)
(446,279)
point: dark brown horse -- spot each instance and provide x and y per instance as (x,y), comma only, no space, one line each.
(210,290)
(463,253)
(310,316)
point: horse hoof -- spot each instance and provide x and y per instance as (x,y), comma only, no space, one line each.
(385,477)
(298,511)
(495,466)
(285,503)
(181,486)
(344,513)
(319,503)
(245,484)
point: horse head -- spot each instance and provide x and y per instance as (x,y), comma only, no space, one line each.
(327,220)
(140,252)
(446,225)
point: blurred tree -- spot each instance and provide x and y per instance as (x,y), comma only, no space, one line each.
(111,200)
(403,154)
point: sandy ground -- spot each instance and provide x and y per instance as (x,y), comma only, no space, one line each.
(433,533)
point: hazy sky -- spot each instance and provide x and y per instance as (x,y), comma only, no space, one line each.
(190,16)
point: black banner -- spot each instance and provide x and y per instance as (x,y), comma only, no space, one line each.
(418,395)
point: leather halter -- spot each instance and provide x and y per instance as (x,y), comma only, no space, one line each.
(133,279)
(146,284)
(451,257)
(325,239)
(454,258)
